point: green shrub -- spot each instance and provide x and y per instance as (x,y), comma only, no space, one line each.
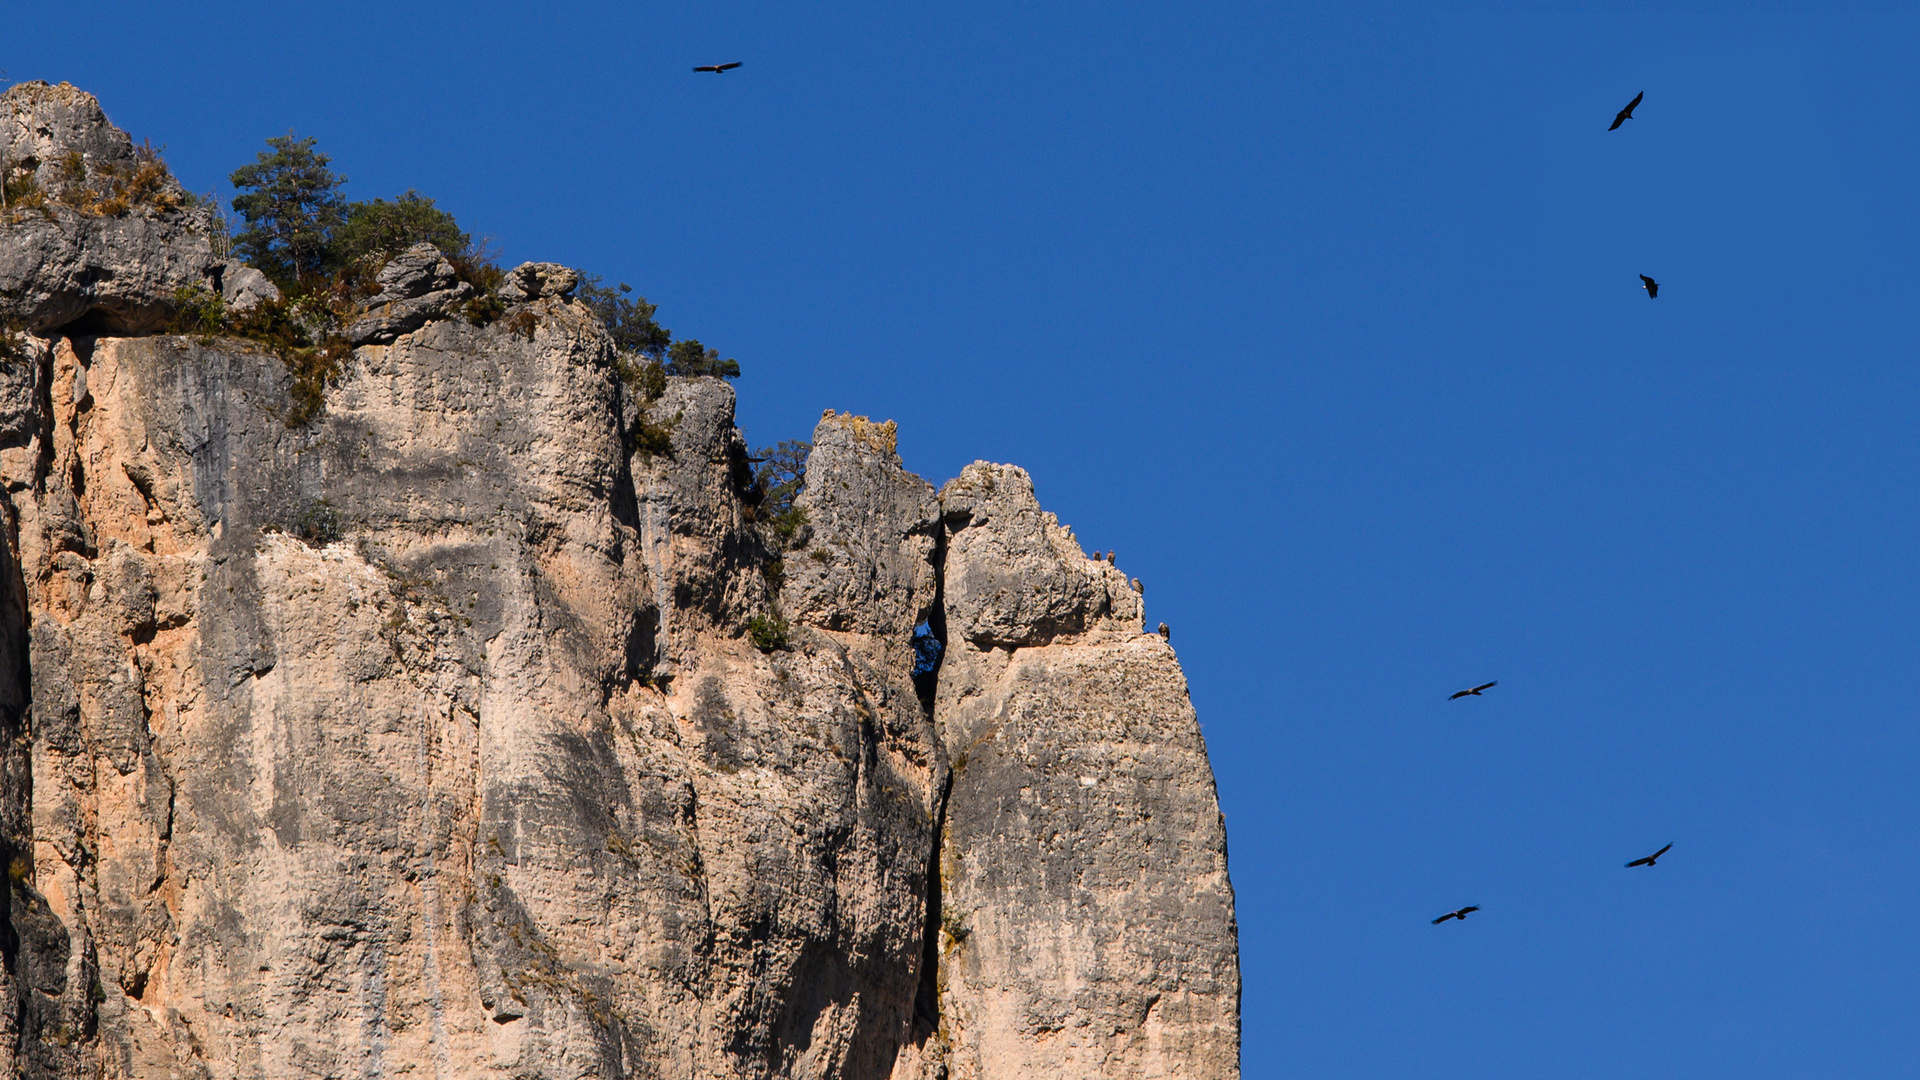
(198,310)
(12,350)
(638,337)
(318,524)
(689,357)
(314,369)
(477,264)
(381,229)
(109,190)
(483,309)
(628,318)
(20,189)
(646,379)
(768,632)
(650,438)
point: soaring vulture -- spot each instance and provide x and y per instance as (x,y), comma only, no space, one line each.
(1626,114)
(1461,914)
(1651,859)
(718,68)
(1652,287)
(1475,692)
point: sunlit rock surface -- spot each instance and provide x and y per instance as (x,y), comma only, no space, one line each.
(428,737)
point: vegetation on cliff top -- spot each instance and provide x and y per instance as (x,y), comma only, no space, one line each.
(324,252)
(301,231)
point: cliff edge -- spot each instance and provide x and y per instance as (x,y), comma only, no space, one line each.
(428,736)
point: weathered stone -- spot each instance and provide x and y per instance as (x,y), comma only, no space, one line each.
(89,271)
(417,286)
(538,281)
(243,287)
(1086,920)
(872,529)
(1014,575)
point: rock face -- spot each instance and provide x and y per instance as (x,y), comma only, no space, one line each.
(430,737)
(93,243)
(1087,921)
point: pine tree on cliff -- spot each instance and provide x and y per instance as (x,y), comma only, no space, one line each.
(292,207)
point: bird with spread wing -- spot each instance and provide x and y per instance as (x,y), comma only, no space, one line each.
(1651,859)
(1461,914)
(719,68)
(1626,114)
(1475,692)
(1652,287)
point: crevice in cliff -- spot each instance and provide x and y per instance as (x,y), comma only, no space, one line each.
(930,631)
(929,648)
(926,1002)
(32,942)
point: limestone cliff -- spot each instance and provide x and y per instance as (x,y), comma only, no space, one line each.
(427,737)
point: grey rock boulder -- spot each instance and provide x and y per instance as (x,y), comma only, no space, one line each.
(80,271)
(538,281)
(243,287)
(417,286)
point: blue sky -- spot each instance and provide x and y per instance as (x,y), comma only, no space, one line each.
(1328,319)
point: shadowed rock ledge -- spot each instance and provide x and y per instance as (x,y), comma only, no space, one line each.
(428,737)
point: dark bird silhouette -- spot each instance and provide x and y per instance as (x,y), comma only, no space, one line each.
(1110,556)
(1652,287)
(1626,114)
(1461,914)
(1165,634)
(718,68)
(1475,692)
(1651,859)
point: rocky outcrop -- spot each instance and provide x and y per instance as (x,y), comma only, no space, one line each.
(97,235)
(416,287)
(242,287)
(430,735)
(537,281)
(868,562)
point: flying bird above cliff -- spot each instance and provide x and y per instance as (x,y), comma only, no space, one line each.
(1475,692)
(1626,114)
(720,68)
(1652,287)
(1461,914)
(1651,859)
